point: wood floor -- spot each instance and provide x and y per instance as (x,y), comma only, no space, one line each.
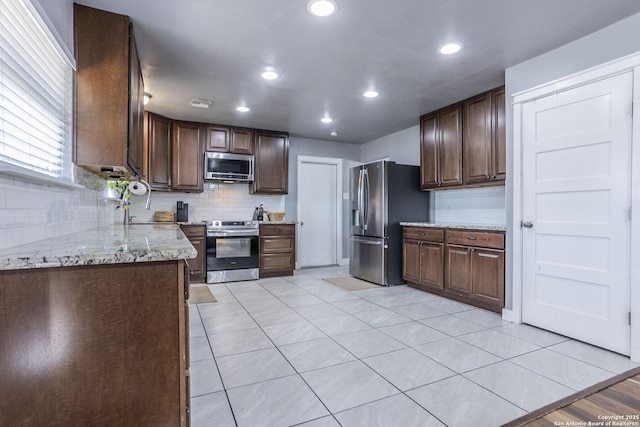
(615,402)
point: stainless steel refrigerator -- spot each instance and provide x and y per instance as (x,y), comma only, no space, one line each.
(383,194)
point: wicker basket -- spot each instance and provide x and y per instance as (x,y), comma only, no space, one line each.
(275,216)
(164,216)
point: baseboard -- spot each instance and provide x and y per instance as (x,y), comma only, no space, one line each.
(344,261)
(510,316)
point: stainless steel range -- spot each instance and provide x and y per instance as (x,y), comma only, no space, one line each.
(232,251)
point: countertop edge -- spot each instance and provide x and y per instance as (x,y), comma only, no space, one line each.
(481,227)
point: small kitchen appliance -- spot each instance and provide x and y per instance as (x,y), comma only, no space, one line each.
(182,212)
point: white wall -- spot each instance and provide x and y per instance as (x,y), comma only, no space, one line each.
(615,41)
(402,147)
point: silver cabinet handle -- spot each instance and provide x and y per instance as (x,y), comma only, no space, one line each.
(527,224)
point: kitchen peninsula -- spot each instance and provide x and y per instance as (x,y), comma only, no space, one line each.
(94,328)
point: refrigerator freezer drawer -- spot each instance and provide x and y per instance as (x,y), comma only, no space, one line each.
(368,260)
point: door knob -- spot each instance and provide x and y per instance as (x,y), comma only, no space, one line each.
(527,224)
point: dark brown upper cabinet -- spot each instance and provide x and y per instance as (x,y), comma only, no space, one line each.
(217,139)
(463,145)
(229,140)
(484,138)
(188,157)
(108,94)
(158,143)
(441,148)
(271,163)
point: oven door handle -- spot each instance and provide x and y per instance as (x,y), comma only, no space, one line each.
(233,233)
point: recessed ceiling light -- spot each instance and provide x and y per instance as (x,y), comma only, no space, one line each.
(334,133)
(322,7)
(269,75)
(450,48)
(243,109)
(326,120)
(201,103)
(370,94)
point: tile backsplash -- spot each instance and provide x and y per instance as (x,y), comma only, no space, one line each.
(30,211)
(483,205)
(218,201)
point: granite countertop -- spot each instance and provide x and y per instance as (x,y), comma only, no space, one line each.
(113,244)
(481,227)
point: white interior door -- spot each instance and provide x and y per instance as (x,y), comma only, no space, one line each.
(317,213)
(576,195)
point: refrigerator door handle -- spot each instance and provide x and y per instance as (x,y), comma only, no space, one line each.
(365,199)
(360,198)
(368,242)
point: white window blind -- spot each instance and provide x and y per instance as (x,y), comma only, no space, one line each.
(35,95)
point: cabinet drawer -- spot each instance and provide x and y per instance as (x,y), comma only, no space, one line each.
(277,230)
(277,245)
(277,262)
(193,230)
(423,233)
(476,238)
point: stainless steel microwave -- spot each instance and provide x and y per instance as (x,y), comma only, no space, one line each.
(228,167)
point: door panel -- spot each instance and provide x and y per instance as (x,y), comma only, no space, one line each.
(318,220)
(355,221)
(488,275)
(458,269)
(367,260)
(411,261)
(431,264)
(576,191)
(451,145)
(429,154)
(375,199)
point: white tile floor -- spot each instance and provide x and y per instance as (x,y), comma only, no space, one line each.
(300,351)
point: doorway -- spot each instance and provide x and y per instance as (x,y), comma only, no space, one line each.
(576,223)
(319,211)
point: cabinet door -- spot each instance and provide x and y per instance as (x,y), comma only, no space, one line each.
(411,261)
(458,269)
(450,133)
(188,157)
(432,264)
(242,141)
(158,134)
(477,134)
(277,244)
(217,139)
(487,271)
(498,103)
(135,148)
(429,152)
(271,163)
(199,263)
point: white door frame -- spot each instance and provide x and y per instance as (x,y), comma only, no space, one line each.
(327,161)
(625,64)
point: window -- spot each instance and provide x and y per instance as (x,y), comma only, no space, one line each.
(36,78)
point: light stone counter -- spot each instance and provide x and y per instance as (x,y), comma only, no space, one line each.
(480,227)
(113,244)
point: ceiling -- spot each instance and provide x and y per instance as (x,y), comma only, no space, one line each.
(216,49)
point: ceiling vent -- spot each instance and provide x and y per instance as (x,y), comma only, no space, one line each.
(201,103)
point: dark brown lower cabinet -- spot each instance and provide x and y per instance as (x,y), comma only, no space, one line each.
(463,265)
(277,249)
(423,255)
(101,345)
(197,235)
